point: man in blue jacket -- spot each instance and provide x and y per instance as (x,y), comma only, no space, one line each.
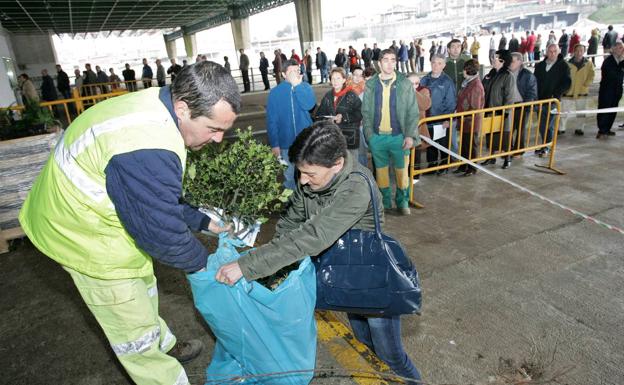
(527,87)
(443,101)
(147,75)
(287,114)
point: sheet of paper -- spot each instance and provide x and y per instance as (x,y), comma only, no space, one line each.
(438,131)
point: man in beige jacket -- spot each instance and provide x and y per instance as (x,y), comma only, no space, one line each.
(576,98)
(29,92)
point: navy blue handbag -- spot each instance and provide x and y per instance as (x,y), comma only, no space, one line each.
(368,273)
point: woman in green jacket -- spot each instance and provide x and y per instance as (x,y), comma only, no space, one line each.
(329,200)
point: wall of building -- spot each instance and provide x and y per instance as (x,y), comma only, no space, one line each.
(7,95)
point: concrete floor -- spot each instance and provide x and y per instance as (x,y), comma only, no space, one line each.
(507,277)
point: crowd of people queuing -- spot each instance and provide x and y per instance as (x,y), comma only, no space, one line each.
(377,98)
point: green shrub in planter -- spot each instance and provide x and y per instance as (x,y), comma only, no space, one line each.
(240,177)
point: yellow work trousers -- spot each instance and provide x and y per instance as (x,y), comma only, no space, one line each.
(127,311)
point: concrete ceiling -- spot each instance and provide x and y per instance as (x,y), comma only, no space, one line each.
(84,16)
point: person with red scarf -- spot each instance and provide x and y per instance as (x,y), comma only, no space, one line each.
(343,107)
(353,58)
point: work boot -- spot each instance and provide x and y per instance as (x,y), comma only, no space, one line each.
(186,351)
(404,210)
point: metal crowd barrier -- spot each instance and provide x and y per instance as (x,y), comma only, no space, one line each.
(500,135)
(71,108)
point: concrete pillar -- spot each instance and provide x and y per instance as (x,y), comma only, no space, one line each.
(513,26)
(34,52)
(170,46)
(190,46)
(309,23)
(554,22)
(240,31)
(532,23)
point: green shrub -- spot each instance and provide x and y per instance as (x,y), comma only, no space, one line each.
(240,177)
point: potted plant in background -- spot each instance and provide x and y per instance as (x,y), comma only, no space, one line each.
(259,330)
(33,120)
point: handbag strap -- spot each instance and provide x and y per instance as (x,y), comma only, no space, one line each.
(374,202)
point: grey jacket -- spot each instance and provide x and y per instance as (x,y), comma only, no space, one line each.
(314,220)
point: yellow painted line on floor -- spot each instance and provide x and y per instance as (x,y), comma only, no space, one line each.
(349,352)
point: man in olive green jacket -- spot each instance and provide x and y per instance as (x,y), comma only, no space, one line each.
(455,63)
(390,122)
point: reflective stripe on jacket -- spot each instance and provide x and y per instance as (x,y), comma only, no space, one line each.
(68,214)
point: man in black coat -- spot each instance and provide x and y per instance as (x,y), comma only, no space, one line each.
(321,64)
(264,70)
(502,43)
(609,39)
(610,91)
(367,56)
(553,79)
(62,82)
(514,45)
(564,42)
(48,91)
(129,77)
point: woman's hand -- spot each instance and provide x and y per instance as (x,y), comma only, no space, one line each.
(229,274)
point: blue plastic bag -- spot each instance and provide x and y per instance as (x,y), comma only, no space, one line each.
(258,331)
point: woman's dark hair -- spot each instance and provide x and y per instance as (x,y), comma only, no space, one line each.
(321,144)
(202,85)
(369,71)
(472,67)
(505,56)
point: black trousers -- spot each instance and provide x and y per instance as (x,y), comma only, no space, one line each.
(519,131)
(433,154)
(265,80)
(608,98)
(467,151)
(246,84)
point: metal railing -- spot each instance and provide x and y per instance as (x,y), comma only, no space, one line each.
(506,130)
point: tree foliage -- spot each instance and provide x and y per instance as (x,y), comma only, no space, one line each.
(240,177)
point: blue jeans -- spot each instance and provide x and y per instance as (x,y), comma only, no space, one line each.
(289,173)
(324,75)
(363,150)
(382,335)
(551,125)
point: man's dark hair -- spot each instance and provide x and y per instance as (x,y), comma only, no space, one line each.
(202,85)
(453,41)
(321,144)
(472,67)
(387,51)
(505,56)
(610,28)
